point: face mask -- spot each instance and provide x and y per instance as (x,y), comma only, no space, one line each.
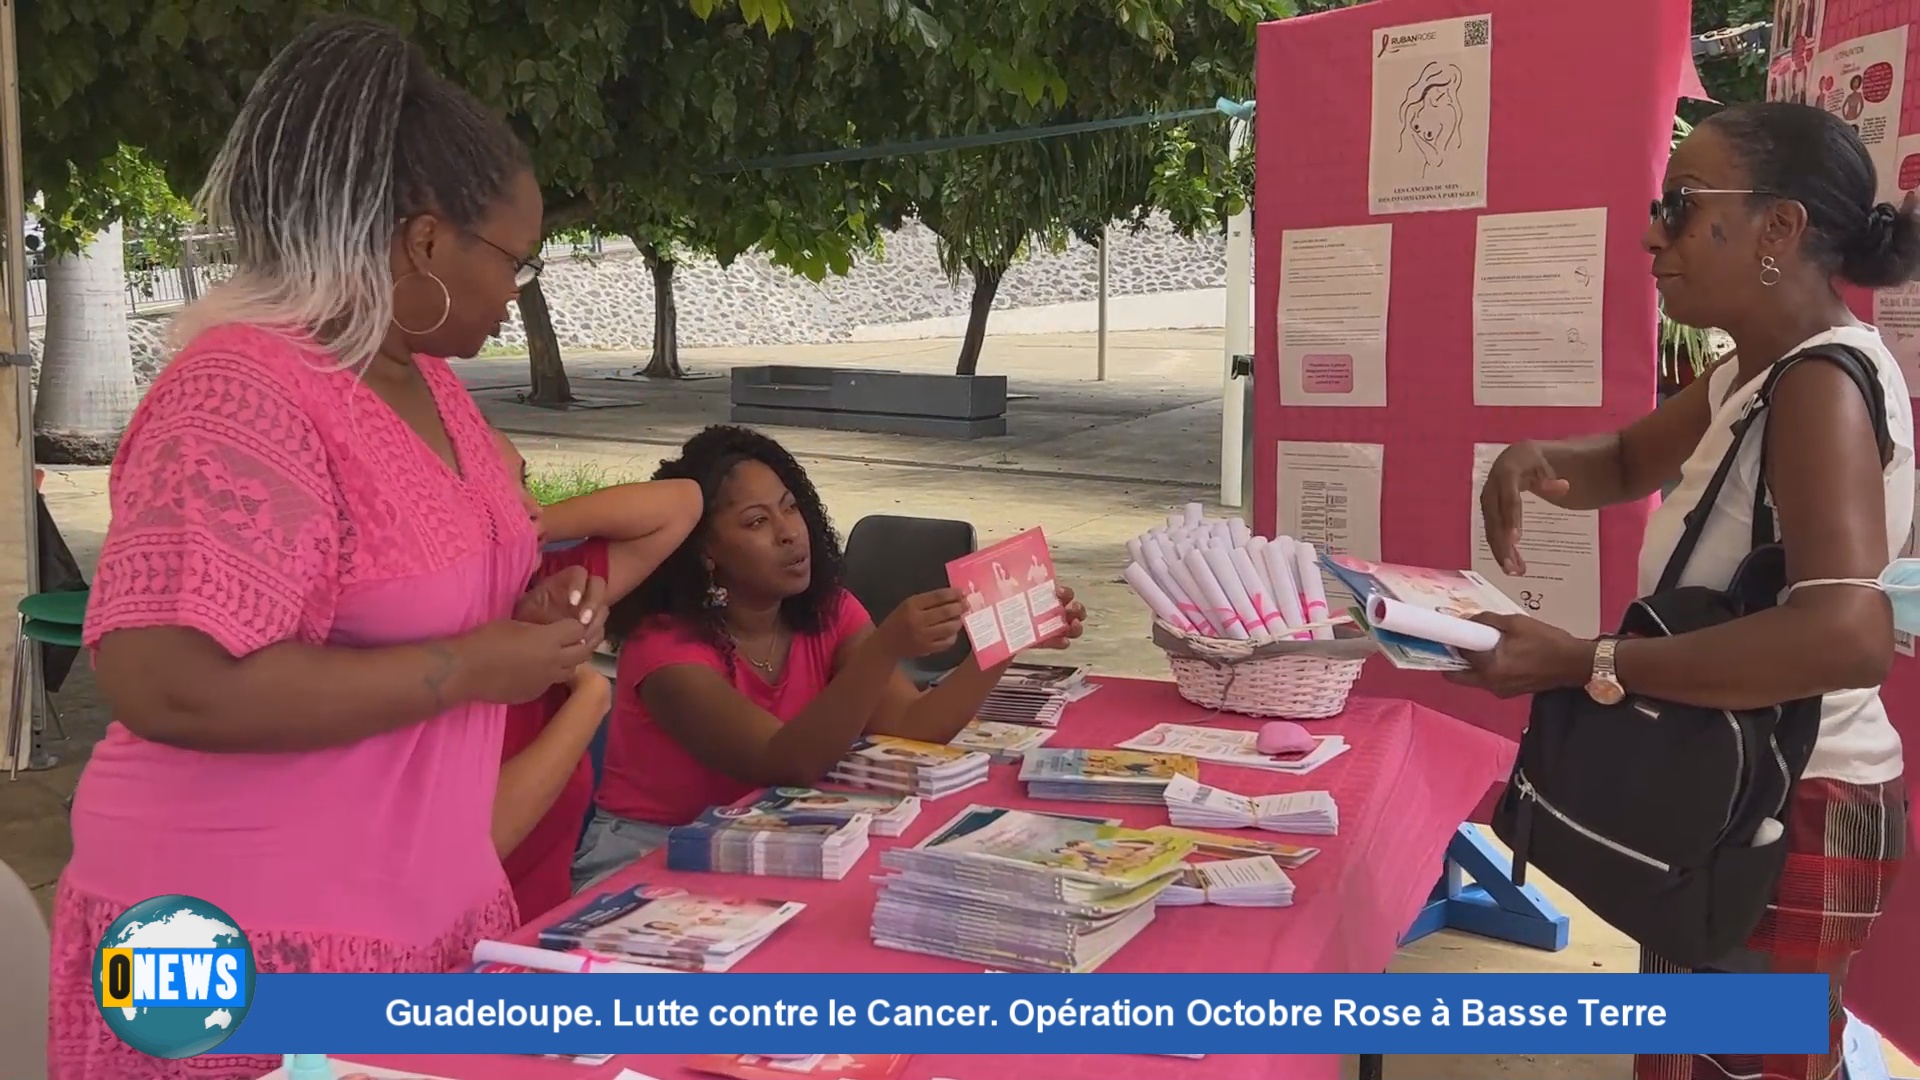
(1900,581)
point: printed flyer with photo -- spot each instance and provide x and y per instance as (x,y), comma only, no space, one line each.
(1432,115)
(1012,602)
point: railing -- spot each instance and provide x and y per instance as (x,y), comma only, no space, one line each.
(169,273)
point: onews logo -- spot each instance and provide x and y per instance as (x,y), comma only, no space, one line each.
(174,976)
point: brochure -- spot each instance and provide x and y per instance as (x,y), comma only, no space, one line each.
(1011,599)
(1422,617)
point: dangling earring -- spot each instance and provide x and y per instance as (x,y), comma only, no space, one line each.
(716,596)
(1769,271)
(446,303)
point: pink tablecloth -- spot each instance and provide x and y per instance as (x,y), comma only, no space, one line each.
(1411,777)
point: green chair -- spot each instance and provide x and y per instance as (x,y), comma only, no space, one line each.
(47,618)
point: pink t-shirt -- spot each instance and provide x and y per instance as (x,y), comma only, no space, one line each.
(647,776)
(263,496)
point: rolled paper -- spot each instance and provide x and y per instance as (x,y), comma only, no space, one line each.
(1286,590)
(1312,590)
(1258,591)
(1146,589)
(1402,618)
(1220,536)
(1188,607)
(1219,609)
(1135,551)
(1182,549)
(1195,513)
(1237,528)
(1257,554)
(1203,615)
(1220,561)
(1174,521)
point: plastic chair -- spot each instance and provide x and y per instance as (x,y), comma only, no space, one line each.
(24,947)
(891,558)
(43,619)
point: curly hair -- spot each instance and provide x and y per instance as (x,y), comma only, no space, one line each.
(678,588)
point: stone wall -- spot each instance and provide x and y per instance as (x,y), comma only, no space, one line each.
(605,300)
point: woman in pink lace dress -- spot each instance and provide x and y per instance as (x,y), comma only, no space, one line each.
(311,606)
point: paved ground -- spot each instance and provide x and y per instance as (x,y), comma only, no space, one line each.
(1091,462)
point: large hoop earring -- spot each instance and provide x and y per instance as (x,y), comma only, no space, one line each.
(1769,271)
(446,303)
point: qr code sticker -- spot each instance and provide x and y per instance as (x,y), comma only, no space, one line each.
(1478,32)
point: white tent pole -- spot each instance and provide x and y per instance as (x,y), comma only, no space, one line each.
(1239,341)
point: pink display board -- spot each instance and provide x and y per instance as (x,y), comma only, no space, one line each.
(1581,117)
(1881,986)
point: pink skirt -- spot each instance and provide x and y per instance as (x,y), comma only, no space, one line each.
(80,1046)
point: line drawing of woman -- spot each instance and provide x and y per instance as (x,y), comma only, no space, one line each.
(1430,115)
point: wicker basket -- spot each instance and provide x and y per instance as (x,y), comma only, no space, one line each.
(1294,680)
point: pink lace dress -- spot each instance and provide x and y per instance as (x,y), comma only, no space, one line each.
(259,497)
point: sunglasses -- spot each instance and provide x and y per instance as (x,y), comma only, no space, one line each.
(525,271)
(1672,207)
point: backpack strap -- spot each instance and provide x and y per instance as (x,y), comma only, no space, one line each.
(1850,360)
(1860,368)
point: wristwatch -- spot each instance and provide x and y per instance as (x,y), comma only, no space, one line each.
(1603,686)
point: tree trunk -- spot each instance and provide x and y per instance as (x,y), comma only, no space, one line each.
(665,363)
(87,391)
(986,283)
(547,370)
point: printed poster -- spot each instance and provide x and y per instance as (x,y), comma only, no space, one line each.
(1796,38)
(1333,315)
(1896,313)
(1538,286)
(1432,109)
(1562,553)
(1906,169)
(1860,81)
(1329,496)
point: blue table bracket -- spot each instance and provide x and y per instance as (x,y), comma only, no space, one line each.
(1492,906)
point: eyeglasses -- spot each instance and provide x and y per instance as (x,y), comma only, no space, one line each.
(1672,207)
(525,271)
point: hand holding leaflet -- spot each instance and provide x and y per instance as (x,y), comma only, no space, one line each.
(1403,618)
(1422,617)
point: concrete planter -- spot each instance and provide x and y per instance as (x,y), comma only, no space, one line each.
(890,402)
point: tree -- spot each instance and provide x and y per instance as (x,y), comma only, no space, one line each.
(981,66)
(87,391)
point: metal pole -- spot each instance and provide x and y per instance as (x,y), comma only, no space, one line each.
(15,354)
(1238,331)
(1100,356)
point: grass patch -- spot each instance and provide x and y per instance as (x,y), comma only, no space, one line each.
(551,485)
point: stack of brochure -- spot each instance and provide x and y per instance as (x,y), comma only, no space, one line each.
(928,770)
(1004,743)
(1192,804)
(749,840)
(670,927)
(1036,694)
(1023,892)
(1255,882)
(1120,776)
(1225,746)
(888,815)
(1208,845)
(1422,618)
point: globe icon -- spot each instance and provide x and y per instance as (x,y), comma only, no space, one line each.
(175,922)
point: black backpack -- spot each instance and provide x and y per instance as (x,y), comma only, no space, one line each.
(1647,810)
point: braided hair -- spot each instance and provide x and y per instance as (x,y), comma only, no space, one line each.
(345,135)
(680,587)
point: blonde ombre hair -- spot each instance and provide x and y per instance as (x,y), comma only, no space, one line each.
(345,135)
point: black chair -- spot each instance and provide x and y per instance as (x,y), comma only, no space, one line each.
(891,558)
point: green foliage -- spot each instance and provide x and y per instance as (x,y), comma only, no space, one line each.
(556,484)
(1729,79)
(125,187)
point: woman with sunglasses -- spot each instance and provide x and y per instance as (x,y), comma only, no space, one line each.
(311,609)
(1766,209)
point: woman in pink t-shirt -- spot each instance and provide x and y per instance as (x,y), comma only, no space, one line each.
(745,664)
(311,607)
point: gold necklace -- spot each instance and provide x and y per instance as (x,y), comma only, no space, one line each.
(772,650)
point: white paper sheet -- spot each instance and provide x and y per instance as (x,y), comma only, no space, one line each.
(1432,97)
(1860,81)
(1330,495)
(1903,643)
(1333,315)
(1330,498)
(1538,281)
(1896,312)
(1562,551)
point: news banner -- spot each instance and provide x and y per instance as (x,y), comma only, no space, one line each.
(1006,1014)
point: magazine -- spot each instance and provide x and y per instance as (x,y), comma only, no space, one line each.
(1108,856)
(671,926)
(1216,846)
(1422,617)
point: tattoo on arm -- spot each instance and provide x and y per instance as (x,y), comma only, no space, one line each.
(439,671)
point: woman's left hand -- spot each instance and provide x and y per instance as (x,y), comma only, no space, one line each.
(572,593)
(1075,614)
(1532,657)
